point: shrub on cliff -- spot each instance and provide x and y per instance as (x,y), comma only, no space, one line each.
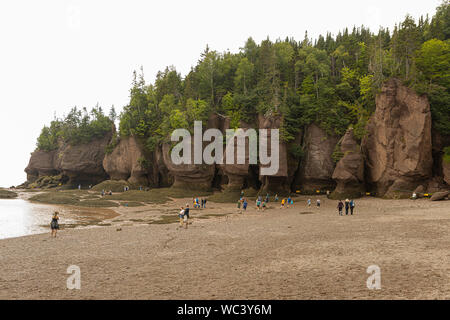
(77,127)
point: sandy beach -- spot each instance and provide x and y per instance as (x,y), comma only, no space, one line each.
(295,253)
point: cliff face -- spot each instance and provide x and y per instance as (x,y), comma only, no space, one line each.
(127,162)
(83,164)
(349,171)
(317,167)
(80,164)
(41,164)
(398,145)
(397,155)
(282,180)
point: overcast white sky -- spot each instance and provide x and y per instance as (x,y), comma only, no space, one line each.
(61,53)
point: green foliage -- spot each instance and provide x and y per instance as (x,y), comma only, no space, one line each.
(113,144)
(296,151)
(332,81)
(143,163)
(447,154)
(77,127)
(337,153)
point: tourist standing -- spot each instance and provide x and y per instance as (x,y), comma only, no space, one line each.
(352,206)
(181,216)
(318,203)
(340,207)
(309,203)
(54,225)
(186,216)
(347,206)
(244,205)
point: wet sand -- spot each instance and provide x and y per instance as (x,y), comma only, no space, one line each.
(295,253)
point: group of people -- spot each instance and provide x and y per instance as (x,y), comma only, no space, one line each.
(262,204)
(184,216)
(107,193)
(348,205)
(308,203)
(242,202)
(286,202)
(199,203)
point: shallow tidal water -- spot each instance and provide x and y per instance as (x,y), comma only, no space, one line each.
(20,217)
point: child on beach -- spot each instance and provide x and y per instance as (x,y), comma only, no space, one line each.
(244,205)
(54,225)
(289,201)
(264,205)
(276,198)
(309,203)
(282,203)
(239,205)
(258,204)
(318,203)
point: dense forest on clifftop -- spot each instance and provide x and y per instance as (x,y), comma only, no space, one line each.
(331,81)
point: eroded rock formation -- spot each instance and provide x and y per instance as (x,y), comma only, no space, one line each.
(128,162)
(41,164)
(398,143)
(317,166)
(78,164)
(349,171)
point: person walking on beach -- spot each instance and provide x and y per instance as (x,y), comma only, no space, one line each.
(309,203)
(318,203)
(244,205)
(186,216)
(288,201)
(267,197)
(54,225)
(264,206)
(276,198)
(181,216)
(258,204)
(352,206)
(347,206)
(340,207)
(282,203)
(239,205)
(205,203)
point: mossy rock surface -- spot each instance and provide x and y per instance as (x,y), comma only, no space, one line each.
(56,198)
(113,185)
(231,195)
(97,204)
(6,194)
(131,204)
(346,195)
